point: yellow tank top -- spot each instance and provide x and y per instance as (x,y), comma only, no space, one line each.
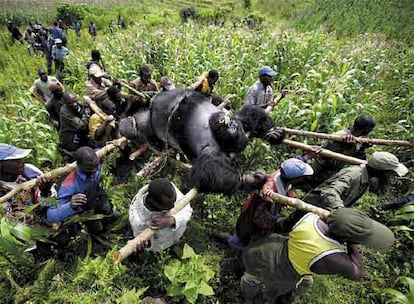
(307,244)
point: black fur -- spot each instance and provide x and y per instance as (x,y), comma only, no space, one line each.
(212,173)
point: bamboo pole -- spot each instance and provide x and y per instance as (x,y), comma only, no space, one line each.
(140,94)
(340,138)
(324,152)
(97,110)
(125,85)
(149,232)
(141,150)
(59,171)
(274,102)
(298,204)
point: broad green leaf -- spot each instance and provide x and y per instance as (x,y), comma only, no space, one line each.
(205,289)
(188,252)
(191,295)
(21,232)
(171,270)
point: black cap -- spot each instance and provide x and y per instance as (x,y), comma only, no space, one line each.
(161,195)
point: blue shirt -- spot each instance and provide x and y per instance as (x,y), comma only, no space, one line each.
(76,182)
(59,53)
(57,33)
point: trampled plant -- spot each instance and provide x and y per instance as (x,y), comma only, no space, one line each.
(189,277)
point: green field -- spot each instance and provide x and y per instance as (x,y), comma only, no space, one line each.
(345,75)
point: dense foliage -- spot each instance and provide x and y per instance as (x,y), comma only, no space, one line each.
(342,78)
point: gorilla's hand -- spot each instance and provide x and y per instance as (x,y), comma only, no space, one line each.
(275,135)
(254,180)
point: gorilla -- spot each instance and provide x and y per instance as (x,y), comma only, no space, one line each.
(187,121)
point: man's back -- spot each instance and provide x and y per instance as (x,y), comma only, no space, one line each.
(341,190)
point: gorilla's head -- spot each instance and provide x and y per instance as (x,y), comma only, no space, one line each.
(228,132)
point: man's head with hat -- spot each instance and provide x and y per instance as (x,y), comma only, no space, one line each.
(56,89)
(353,226)
(266,75)
(96,72)
(161,195)
(381,166)
(58,42)
(293,170)
(12,162)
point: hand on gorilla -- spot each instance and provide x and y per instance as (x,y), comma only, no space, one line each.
(254,180)
(275,136)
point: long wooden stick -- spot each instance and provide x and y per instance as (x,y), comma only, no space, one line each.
(298,204)
(141,150)
(97,110)
(140,94)
(324,152)
(274,102)
(59,171)
(148,233)
(340,138)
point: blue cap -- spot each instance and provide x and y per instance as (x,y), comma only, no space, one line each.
(294,168)
(267,71)
(9,152)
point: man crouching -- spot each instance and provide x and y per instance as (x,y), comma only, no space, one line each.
(151,208)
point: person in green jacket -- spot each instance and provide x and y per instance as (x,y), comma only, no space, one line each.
(349,184)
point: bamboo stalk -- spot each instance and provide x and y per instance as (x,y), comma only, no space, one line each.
(140,94)
(148,233)
(59,171)
(324,152)
(141,150)
(340,138)
(298,204)
(274,102)
(97,110)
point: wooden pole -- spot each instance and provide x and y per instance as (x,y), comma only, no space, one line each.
(60,171)
(340,138)
(138,93)
(148,233)
(274,102)
(298,204)
(324,152)
(141,150)
(97,110)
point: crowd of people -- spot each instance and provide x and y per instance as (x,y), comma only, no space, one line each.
(280,252)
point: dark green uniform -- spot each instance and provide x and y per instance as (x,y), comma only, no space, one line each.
(341,190)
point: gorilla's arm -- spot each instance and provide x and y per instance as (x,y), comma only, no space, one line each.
(256,121)
(212,173)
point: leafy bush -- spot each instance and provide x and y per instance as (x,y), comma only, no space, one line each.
(189,277)
(69,12)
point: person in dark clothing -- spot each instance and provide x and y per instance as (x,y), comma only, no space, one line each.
(54,105)
(398,203)
(15,33)
(74,121)
(96,59)
(324,167)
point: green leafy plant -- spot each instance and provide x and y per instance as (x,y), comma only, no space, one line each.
(189,277)
(396,296)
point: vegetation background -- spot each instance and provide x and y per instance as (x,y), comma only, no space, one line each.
(352,56)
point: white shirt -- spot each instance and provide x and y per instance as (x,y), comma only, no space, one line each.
(44,86)
(140,219)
